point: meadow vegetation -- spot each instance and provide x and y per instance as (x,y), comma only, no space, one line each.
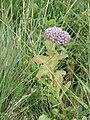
(26,93)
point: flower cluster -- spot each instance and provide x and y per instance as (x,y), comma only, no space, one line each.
(57,35)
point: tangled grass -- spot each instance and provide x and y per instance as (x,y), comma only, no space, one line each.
(22,95)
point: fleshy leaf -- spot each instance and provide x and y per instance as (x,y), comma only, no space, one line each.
(42,71)
(53,61)
(40,59)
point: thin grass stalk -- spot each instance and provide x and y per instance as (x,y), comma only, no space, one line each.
(88,39)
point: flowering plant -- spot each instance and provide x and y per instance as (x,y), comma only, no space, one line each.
(52,58)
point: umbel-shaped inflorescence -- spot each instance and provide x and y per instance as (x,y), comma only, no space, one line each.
(57,35)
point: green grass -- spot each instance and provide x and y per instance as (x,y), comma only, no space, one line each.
(22,95)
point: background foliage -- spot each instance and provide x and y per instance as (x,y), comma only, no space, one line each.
(22,95)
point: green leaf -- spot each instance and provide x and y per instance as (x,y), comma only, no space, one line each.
(51,22)
(55,111)
(63,50)
(42,71)
(65,89)
(53,100)
(35,8)
(40,59)
(43,117)
(89,2)
(62,56)
(59,81)
(60,74)
(53,61)
(50,46)
(84,118)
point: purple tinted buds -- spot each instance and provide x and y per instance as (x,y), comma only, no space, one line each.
(57,35)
